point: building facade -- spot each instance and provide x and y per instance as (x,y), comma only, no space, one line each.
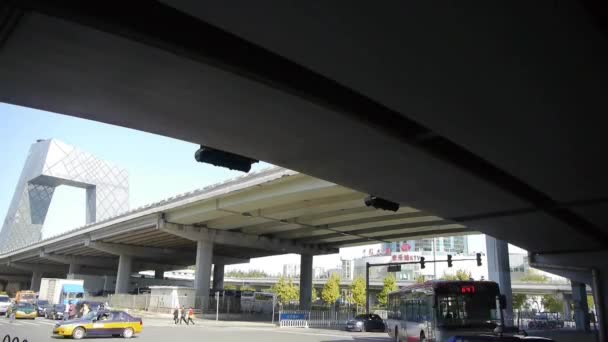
(449,245)
(291,270)
(51,163)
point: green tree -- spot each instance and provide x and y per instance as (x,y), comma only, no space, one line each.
(460,275)
(446,276)
(331,290)
(286,291)
(520,301)
(358,291)
(390,285)
(534,277)
(420,279)
(314,296)
(590,302)
(230,287)
(552,304)
(247,288)
(246,274)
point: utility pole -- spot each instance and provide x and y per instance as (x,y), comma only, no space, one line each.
(367,288)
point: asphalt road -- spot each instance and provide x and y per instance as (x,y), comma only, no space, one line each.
(156,330)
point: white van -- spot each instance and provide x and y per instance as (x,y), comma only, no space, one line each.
(5,302)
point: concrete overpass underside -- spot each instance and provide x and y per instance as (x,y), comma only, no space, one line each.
(490,115)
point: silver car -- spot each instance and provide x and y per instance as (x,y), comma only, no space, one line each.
(5,303)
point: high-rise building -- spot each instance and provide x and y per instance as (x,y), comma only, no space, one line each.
(49,164)
(348,269)
(291,270)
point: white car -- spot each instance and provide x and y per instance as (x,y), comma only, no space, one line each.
(5,303)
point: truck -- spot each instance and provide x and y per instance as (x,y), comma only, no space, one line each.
(61,291)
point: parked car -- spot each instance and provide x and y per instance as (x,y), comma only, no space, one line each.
(110,323)
(371,322)
(22,310)
(5,303)
(56,312)
(141,290)
(42,306)
(546,320)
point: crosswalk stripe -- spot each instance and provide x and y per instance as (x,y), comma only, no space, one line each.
(28,323)
(44,322)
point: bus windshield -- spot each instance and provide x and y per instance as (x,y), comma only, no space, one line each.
(454,309)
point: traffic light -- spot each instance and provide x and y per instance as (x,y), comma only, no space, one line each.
(449,260)
(422,262)
(478,259)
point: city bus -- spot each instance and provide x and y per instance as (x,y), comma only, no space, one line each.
(437,310)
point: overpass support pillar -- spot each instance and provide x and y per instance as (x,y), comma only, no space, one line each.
(74,268)
(159,273)
(600,291)
(567,307)
(305,281)
(579,297)
(500,272)
(202,275)
(35,282)
(218,276)
(125,264)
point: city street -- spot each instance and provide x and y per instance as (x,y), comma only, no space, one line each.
(157,330)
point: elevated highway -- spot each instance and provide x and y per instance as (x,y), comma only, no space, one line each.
(275,211)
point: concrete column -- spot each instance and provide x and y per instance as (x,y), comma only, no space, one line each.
(125,263)
(218,276)
(579,298)
(305,281)
(202,275)
(159,274)
(600,290)
(74,268)
(567,308)
(35,282)
(500,272)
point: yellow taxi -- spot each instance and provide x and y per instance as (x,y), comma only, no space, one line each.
(100,323)
(22,310)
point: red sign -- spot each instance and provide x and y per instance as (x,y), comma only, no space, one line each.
(405,247)
(394,257)
(388,251)
(467,289)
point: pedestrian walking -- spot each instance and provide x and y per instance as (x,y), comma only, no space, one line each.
(191,315)
(183,315)
(176,315)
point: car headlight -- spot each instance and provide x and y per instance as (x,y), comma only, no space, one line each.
(359,324)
